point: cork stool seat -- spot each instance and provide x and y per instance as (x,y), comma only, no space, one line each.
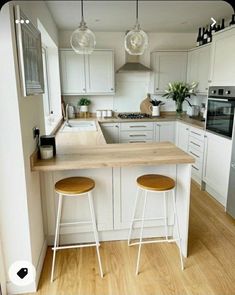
(75,187)
(160,185)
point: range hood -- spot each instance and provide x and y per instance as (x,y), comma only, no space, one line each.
(133,64)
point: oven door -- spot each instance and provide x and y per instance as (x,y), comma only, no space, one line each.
(220,116)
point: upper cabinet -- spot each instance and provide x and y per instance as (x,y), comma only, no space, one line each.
(198,67)
(167,66)
(87,74)
(223,58)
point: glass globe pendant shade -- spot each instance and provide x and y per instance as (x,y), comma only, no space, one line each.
(83,40)
(136,41)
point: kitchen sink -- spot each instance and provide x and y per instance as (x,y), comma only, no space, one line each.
(77,126)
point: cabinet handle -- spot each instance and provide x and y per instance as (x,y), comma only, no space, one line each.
(206,88)
(84,89)
(138,126)
(205,136)
(195,167)
(137,135)
(187,129)
(135,141)
(157,88)
(194,154)
(195,143)
(196,133)
(117,126)
(111,89)
(209,81)
(158,125)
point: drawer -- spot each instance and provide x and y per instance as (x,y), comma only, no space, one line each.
(196,144)
(197,167)
(136,126)
(198,156)
(136,135)
(135,140)
(197,133)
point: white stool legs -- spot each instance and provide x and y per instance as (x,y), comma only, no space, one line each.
(58,224)
(165,218)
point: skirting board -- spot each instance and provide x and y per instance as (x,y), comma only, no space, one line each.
(13,289)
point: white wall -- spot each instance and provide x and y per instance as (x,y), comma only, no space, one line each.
(131,88)
(20,211)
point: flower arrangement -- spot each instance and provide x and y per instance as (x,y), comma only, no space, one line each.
(179,91)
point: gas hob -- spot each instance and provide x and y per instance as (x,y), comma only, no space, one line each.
(133,116)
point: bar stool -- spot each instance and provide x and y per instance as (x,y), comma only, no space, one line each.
(75,186)
(160,185)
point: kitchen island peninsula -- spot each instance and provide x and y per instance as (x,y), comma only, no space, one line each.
(114,167)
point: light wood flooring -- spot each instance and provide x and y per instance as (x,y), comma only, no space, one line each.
(209,269)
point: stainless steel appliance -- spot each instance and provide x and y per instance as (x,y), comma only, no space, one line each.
(230,208)
(220,110)
(133,116)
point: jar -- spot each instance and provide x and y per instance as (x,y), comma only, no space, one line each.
(104,113)
(46,152)
(109,113)
(98,114)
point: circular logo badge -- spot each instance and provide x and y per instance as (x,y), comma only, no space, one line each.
(22,273)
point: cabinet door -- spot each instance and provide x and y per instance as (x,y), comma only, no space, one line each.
(217,164)
(100,72)
(165,131)
(193,65)
(182,136)
(203,68)
(110,132)
(223,59)
(72,70)
(168,67)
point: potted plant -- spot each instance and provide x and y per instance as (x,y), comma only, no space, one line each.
(84,103)
(179,91)
(155,108)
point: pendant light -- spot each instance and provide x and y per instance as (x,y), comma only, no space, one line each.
(136,40)
(82,39)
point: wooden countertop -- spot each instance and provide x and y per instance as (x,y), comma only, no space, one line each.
(114,155)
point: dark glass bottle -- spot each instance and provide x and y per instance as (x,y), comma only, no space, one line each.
(232,20)
(209,36)
(217,27)
(205,35)
(199,37)
(222,25)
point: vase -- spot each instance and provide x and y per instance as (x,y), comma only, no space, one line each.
(155,111)
(179,107)
(83,109)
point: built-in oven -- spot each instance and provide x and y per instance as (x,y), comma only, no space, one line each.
(220,110)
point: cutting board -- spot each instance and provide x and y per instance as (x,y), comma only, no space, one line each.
(145,106)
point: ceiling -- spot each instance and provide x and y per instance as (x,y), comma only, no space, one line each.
(154,16)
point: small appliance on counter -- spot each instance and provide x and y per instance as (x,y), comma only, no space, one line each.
(193,111)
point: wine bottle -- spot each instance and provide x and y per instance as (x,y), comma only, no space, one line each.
(222,25)
(232,20)
(213,29)
(199,37)
(218,27)
(209,37)
(205,35)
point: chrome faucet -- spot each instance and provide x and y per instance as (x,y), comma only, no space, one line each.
(67,115)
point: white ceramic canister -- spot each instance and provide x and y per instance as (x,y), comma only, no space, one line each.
(109,113)
(46,152)
(83,109)
(104,113)
(155,111)
(98,114)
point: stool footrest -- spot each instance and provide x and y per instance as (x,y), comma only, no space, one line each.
(74,223)
(74,246)
(155,241)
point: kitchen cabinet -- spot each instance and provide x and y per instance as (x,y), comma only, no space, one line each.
(216,168)
(110,132)
(165,131)
(222,70)
(182,136)
(167,66)
(87,74)
(134,132)
(198,67)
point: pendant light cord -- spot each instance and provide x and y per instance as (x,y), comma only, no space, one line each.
(137,10)
(82,10)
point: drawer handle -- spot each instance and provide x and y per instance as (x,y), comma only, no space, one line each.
(195,143)
(195,133)
(135,141)
(195,167)
(194,154)
(138,126)
(137,135)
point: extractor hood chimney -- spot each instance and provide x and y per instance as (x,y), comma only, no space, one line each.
(133,64)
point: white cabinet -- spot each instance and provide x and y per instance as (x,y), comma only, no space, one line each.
(182,136)
(110,132)
(87,74)
(165,131)
(223,58)
(135,132)
(198,67)
(167,66)
(217,165)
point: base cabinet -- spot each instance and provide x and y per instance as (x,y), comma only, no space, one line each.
(165,131)
(110,132)
(217,165)
(182,136)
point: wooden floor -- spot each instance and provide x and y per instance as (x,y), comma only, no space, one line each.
(209,269)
